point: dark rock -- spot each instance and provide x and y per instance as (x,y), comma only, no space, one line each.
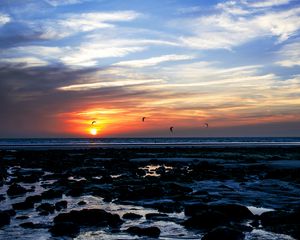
(33,225)
(168,207)
(90,217)
(81,203)
(232,211)
(132,216)
(10,212)
(156,216)
(22,217)
(206,219)
(4,218)
(174,188)
(34,199)
(61,205)
(225,233)
(153,232)
(51,194)
(282,222)
(22,205)
(2,198)
(46,207)
(65,229)
(15,190)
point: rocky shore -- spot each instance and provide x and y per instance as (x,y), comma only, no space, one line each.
(146,192)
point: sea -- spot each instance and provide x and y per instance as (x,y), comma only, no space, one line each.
(8,143)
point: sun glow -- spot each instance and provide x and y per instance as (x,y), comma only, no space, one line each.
(93,131)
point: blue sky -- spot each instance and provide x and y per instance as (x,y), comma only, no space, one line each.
(234,64)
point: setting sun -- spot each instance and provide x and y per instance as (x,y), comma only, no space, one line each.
(93,131)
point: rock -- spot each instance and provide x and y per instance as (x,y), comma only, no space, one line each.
(33,225)
(206,219)
(46,207)
(61,205)
(2,198)
(10,212)
(282,222)
(89,217)
(51,194)
(174,188)
(156,216)
(22,217)
(153,232)
(232,211)
(168,207)
(81,203)
(22,205)
(224,233)
(65,229)
(132,216)
(34,199)
(4,218)
(15,189)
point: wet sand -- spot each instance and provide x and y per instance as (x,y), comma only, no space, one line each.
(165,192)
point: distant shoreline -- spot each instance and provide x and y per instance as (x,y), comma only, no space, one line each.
(148,145)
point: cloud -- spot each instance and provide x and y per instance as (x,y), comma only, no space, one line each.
(153,61)
(56,3)
(97,85)
(289,55)
(267,3)
(71,24)
(4,18)
(25,61)
(237,24)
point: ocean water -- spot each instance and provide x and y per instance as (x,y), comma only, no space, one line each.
(94,142)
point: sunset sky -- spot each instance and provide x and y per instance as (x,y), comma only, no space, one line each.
(181,63)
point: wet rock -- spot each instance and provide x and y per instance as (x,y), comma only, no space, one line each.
(282,222)
(2,198)
(81,203)
(153,232)
(22,205)
(65,229)
(168,207)
(61,205)
(90,217)
(46,207)
(4,218)
(174,188)
(34,199)
(51,194)
(132,216)
(156,216)
(206,219)
(232,211)
(22,217)
(224,233)
(10,212)
(33,225)
(15,190)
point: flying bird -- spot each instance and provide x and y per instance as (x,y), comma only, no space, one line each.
(93,122)
(143,119)
(171,129)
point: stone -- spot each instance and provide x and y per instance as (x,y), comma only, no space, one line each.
(153,232)
(65,229)
(4,218)
(131,216)
(224,233)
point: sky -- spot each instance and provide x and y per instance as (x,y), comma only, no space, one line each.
(183,63)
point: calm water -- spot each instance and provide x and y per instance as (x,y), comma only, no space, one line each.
(94,142)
